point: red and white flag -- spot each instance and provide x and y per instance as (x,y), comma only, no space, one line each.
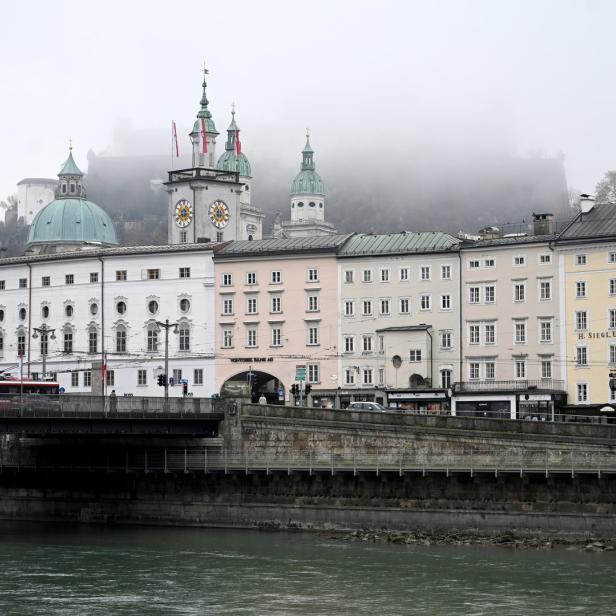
(238,145)
(203,136)
(174,139)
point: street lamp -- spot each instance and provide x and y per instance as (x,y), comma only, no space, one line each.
(167,326)
(44,331)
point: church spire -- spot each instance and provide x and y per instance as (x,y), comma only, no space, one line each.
(70,178)
(204,130)
(307,154)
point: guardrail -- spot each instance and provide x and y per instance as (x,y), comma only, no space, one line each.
(205,460)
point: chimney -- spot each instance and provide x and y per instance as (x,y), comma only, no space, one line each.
(489,233)
(543,224)
(587,202)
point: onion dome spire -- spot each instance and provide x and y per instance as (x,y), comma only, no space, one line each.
(307,154)
(204,112)
(230,159)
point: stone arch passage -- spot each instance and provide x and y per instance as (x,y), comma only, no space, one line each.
(262,383)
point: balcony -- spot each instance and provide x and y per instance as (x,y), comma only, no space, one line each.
(518,385)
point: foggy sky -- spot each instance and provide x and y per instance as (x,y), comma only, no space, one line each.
(381,81)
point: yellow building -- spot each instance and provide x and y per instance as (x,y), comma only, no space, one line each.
(587,276)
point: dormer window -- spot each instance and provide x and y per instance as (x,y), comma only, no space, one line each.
(63,188)
(72,188)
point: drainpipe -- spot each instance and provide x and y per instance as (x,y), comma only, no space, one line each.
(103,370)
(460,323)
(431,361)
(29,312)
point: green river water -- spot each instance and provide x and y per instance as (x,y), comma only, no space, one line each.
(58,569)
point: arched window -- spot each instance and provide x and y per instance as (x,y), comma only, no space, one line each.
(93,308)
(153,306)
(68,310)
(152,337)
(120,339)
(45,312)
(121,307)
(22,314)
(72,187)
(63,188)
(184,333)
(184,305)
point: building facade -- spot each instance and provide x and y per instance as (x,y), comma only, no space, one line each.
(33,194)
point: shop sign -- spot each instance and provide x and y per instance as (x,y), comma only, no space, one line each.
(418,396)
(249,360)
(596,335)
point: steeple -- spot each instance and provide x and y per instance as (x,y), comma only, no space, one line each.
(307,154)
(70,179)
(233,159)
(204,155)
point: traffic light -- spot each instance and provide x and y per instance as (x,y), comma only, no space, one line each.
(294,389)
(307,388)
(161,380)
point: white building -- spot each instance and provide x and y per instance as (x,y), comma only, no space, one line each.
(33,194)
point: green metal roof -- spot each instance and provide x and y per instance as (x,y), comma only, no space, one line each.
(72,220)
(70,168)
(317,243)
(398,243)
(308,182)
(229,162)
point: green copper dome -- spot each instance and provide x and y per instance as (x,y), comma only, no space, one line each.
(308,181)
(66,221)
(229,162)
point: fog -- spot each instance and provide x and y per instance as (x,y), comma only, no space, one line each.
(412,106)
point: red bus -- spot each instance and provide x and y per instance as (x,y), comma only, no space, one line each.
(15,393)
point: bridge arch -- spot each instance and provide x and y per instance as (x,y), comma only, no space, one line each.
(262,383)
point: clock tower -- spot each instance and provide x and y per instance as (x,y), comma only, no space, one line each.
(210,201)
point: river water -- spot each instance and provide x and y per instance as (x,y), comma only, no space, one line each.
(88,570)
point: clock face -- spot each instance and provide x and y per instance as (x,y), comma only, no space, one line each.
(219,214)
(183,213)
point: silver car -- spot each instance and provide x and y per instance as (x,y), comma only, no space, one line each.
(366,406)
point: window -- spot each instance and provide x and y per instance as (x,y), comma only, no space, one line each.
(69,279)
(142,377)
(313,335)
(45,312)
(276,277)
(446,340)
(520,369)
(519,261)
(92,341)
(23,283)
(384,306)
(404,305)
(546,369)
(68,342)
(184,272)
(581,356)
(153,274)
(276,336)
(612,354)
(488,263)
(177,375)
(276,303)
(611,257)
(490,370)
(612,318)
(153,306)
(366,275)
(519,291)
(367,376)
(367,344)
(489,334)
(404,274)
(545,330)
(251,337)
(446,275)
(381,343)
(473,264)
(227,338)
(227,280)
(520,332)
(21,344)
(220,236)
(93,308)
(184,305)
(580,320)
(44,344)
(74,379)
(183,237)
(367,308)
(473,334)
(446,302)
(580,259)
(381,376)
(612,286)
(349,276)
(152,338)
(251,278)
(120,274)
(93,277)
(184,337)
(314,375)
(425,272)
(120,338)
(349,344)
(349,308)
(121,307)
(198,376)
(425,302)
(473,370)
(313,303)
(349,376)
(227,306)
(68,310)
(384,275)
(110,378)
(473,295)
(580,288)
(46,281)
(251,305)
(582,392)
(545,259)
(415,355)
(2,285)
(545,290)
(313,274)
(489,294)
(22,314)
(36,376)
(87,379)
(446,378)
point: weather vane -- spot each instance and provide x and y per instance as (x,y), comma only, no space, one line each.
(233,109)
(70,144)
(307,133)
(205,71)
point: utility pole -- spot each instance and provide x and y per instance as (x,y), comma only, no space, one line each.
(166,325)
(45,333)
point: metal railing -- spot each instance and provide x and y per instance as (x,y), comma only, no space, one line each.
(205,460)
(544,384)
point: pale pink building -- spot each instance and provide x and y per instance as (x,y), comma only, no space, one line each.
(277,312)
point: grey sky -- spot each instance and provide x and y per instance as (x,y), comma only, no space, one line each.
(376,78)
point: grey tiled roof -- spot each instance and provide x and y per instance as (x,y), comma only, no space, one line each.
(317,243)
(406,328)
(513,240)
(599,222)
(398,243)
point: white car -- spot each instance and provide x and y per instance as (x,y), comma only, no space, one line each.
(366,406)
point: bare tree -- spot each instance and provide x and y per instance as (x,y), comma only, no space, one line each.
(606,188)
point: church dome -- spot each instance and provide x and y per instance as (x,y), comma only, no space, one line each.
(229,162)
(308,182)
(66,221)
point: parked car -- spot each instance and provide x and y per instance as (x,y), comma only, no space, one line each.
(366,406)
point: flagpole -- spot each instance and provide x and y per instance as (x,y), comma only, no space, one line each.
(171,145)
